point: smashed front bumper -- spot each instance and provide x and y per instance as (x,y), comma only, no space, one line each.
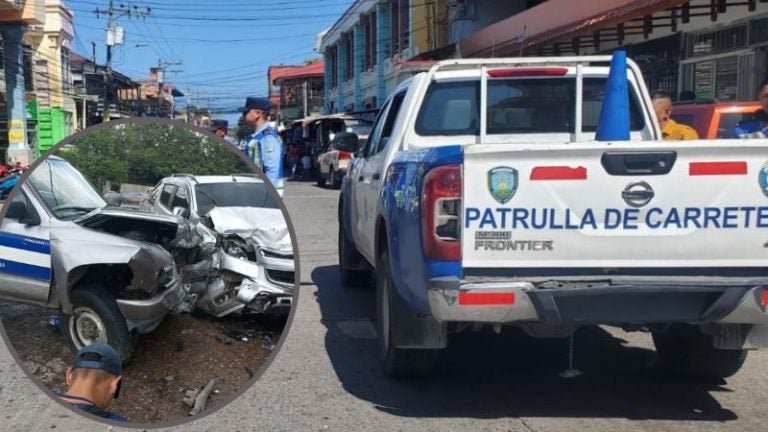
(257,292)
(145,315)
(617,302)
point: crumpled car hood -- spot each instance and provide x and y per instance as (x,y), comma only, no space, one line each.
(264,226)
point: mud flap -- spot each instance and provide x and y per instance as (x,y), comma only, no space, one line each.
(411,331)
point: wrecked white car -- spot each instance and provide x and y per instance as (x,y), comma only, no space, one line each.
(103,268)
(233,248)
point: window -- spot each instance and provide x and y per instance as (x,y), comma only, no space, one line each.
(399,14)
(515,106)
(234,194)
(389,125)
(166,194)
(349,55)
(373,138)
(728,123)
(180,199)
(369,30)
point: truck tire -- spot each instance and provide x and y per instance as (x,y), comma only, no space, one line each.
(348,255)
(397,362)
(684,350)
(320,178)
(96,318)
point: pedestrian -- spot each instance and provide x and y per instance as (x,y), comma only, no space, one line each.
(94,380)
(670,130)
(264,147)
(220,128)
(757,125)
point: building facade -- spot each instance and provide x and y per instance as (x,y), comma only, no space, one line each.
(366,51)
(296,92)
(16,17)
(714,49)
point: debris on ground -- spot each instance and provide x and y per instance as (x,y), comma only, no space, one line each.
(200,397)
(177,356)
(224,339)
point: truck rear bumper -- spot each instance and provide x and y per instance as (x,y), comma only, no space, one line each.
(595,303)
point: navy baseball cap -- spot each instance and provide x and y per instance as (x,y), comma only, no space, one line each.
(255,103)
(218,124)
(99,355)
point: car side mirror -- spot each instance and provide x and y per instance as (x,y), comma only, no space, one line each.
(346,141)
(19,210)
(181,211)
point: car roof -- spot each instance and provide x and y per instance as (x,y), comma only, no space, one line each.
(212,179)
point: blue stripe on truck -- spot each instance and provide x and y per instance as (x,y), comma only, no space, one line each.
(26,243)
(25,270)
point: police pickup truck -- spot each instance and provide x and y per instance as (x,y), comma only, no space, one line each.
(484,196)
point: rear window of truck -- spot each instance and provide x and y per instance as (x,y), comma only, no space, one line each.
(515,106)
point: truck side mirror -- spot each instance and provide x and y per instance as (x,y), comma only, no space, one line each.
(19,210)
(346,141)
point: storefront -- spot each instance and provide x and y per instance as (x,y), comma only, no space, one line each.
(726,64)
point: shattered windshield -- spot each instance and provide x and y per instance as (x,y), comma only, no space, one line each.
(64,190)
(234,194)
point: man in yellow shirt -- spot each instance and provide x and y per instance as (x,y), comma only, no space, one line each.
(670,130)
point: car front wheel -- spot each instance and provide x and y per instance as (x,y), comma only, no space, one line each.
(96,318)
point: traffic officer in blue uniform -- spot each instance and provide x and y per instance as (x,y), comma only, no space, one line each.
(220,128)
(264,147)
(757,125)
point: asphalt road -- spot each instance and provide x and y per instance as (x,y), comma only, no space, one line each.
(326,377)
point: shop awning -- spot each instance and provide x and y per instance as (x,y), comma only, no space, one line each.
(555,20)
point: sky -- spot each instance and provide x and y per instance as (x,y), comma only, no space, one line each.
(225,47)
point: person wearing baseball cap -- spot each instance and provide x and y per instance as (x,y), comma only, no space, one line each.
(264,147)
(220,127)
(94,380)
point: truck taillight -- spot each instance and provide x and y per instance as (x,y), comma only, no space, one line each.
(345,155)
(441,213)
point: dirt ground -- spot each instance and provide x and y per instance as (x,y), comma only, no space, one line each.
(184,353)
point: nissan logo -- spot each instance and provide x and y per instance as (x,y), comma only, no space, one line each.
(637,194)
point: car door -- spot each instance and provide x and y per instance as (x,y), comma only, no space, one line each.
(163,204)
(25,254)
(369,180)
(355,176)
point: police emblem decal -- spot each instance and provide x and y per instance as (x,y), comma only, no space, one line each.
(762,178)
(502,183)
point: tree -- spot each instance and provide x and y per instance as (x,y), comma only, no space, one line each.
(147,152)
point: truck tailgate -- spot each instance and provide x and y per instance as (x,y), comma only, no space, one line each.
(695,204)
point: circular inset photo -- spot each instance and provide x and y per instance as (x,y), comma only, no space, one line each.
(147,271)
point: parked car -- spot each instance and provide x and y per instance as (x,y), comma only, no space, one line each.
(321,131)
(236,253)
(62,247)
(333,164)
(713,120)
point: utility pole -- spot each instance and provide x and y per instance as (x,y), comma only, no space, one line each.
(306,102)
(161,64)
(115,36)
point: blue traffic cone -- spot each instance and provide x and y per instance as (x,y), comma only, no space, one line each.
(614,114)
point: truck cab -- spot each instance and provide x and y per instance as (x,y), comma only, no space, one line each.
(63,248)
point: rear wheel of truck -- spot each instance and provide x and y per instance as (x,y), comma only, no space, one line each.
(320,178)
(348,256)
(684,350)
(397,362)
(97,318)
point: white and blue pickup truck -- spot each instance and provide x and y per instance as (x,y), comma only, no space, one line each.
(483,196)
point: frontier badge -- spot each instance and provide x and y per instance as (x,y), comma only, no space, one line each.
(502,183)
